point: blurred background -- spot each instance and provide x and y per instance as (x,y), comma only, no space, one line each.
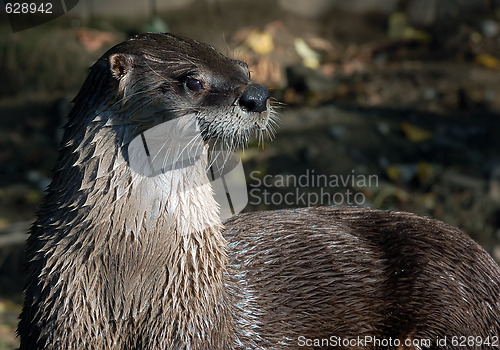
(405,91)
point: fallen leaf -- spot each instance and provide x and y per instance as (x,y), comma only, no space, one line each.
(260,42)
(424,172)
(488,61)
(310,58)
(393,173)
(414,133)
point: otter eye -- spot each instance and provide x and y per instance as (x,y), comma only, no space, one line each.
(194,85)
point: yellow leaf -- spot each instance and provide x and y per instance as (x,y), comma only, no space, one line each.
(424,172)
(414,133)
(487,61)
(399,29)
(310,58)
(260,42)
(428,200)
(393,173)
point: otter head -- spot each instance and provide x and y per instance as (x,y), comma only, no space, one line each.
(160,77)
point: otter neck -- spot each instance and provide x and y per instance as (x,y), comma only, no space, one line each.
(167,225)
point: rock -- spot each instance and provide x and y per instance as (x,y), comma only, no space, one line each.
(430,94)
(428,12)
(316,8)
(489,28)
(494,186)
(463,181)
(496,252)
(383,128)
(364,7)
(304,79)
(337,132)
(308,9)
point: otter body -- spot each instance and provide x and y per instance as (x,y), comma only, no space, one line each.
(334,275)
(120,260)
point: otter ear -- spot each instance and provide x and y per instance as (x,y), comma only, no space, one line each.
(120,65)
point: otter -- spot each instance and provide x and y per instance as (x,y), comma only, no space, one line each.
(120,260)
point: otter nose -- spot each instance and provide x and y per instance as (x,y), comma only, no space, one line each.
(254,98)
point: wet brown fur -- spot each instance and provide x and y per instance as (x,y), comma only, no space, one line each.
(115,261)
(351,272)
